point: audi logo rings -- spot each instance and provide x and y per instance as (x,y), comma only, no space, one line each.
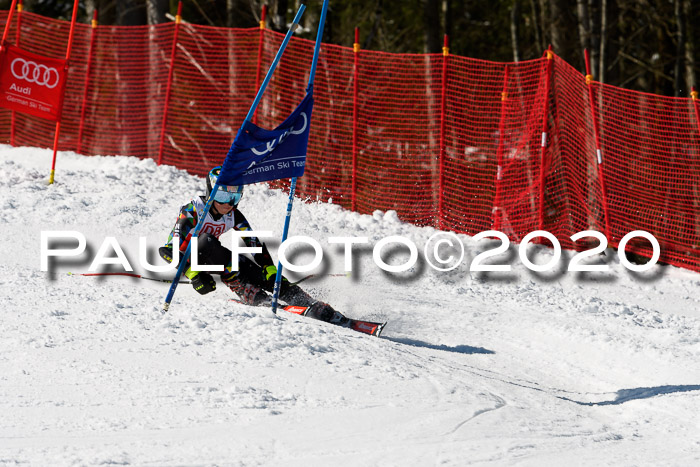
(33,72)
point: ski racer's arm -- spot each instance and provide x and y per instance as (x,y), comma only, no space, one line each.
(186,222)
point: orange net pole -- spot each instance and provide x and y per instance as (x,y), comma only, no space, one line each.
(57,131)
(499,155)
(543,145)
(443,104)
(87,81)
(8,23)
(694,97)
(355,93)
(261,45)
(599,150)
(178,20)
(19,28)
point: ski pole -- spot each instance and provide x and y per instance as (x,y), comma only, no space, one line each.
(158,279)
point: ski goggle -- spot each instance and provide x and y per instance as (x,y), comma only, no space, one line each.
(232,197)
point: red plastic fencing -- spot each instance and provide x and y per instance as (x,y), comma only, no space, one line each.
(444,140)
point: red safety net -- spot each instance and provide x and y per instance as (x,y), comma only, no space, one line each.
(443,140)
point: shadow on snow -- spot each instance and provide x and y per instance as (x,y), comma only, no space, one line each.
(464,349)
(626,395)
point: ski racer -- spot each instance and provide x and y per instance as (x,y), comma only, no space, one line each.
(254,278)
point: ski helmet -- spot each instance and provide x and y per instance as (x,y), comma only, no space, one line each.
(225,194)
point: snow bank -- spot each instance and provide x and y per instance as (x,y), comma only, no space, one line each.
(474,368)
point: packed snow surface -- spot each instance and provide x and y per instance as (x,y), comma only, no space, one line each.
(499,368)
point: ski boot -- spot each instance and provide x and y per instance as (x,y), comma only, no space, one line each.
(249,294)
(324,312)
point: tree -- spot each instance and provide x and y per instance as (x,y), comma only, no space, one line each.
(278,14)
(692,45)
(432,29)
(156,10)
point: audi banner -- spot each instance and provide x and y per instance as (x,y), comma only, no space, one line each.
(31,83)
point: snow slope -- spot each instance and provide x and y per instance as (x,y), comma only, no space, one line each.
(473,369)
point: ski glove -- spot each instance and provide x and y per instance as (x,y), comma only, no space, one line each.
(269,272)
(203,283)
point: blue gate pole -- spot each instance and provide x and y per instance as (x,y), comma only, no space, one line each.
(293,185)
(215,188)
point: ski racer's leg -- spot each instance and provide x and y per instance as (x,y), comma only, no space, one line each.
(246,282)
(251,282)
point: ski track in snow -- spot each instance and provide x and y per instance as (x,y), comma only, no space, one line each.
(471,370)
